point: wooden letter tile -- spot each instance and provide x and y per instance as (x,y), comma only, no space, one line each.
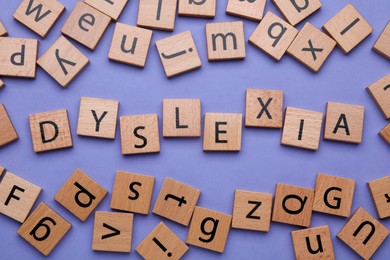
(86,25)
(385,133)
(2,84)
(80,195)
(380,93)
(1,170)
(348,28)
(176,201)
(382,44)
(112,232)
(178,54)
(197,8)
(3,31)
(132,192)
(7,131)
(109,7)
(98,117)
(293,205)
(363,233)
(296,10)
(252,210)
(50,130)
(162,243)
(63,61)
(157,14)
(252,9)
(302,128)
(380,193)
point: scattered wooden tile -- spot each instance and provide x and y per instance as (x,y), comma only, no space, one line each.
(80,194)
(225,41)
(380,193)
(363,233)
(344,122)
(295,11)
(17,196)
(293,205)
(178,54)
(222,132)
(2,84)
(86,25)
(111,8)
(313,243)
(181,117)
(39,15)
(130,45)
(112,232)
(7,131)
(63,61)
(273,36)
(162,243)
(380,94)
(139,134)
(252,9)
(382,44)
(1,170)
(302,128)
(158,15)
(97,117)
(50,130)
(3,31)
(385,133)
(311,47)
(333,195)
(18,57)
(132,192)
(197,8)
(252,210)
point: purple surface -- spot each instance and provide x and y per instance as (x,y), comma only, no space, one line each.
(260,164)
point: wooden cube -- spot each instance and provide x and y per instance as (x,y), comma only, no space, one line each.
(295,11)
(181,117)
(333,195)
(97,117)
(18,57)
(162,243)
(313,243)
(273,36)
(311,47)
(112,232)
(178,54)
(225,41)
(222,132)
(382,44)
(80,195)
(344,122)
(86,25)
(157,14)
(302,128)
(3,31)
(17,196)
(132,192)
(7,131)
(363,233)
(111,8)
(44,229)
(252,10)
(130,45)
(63,61)
(39,15)
(252,210)
(385,133)
(50,130)
(139,134)
(293,205)
(348,28)
(381,95)
(197,8)
(264,108)
(380,194)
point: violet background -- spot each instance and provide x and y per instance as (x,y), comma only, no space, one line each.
(261,163)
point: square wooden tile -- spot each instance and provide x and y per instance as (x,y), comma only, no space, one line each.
(18,57)
(313,243)
(2,84)
(63,61)
(385,133)
(252,210)
(380,194)
(39,15)
(273,36)
(348,28)
(181,117)
(86,25)
(158,15)
(162,243)
(80,194)
(176,201)
(293,205)
(295,11)
(17,196)
(8,133)
(252,10)
(363,233)
(197,8)
(178,54)
(140,134)
(302,128)
(44,229)
(380,93)
(132,192)
(130,45)
(382,44)
(112,232)
(3,31)
(1,170)
(264,108)
(50,130)
(222,132)
(333,195)
(109,7)
(344,122)
(98,117)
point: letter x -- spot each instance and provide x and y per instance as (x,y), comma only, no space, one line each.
(312,50)
(264,108)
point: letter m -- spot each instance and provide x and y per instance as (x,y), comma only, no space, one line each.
(224,40)
(38,9)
